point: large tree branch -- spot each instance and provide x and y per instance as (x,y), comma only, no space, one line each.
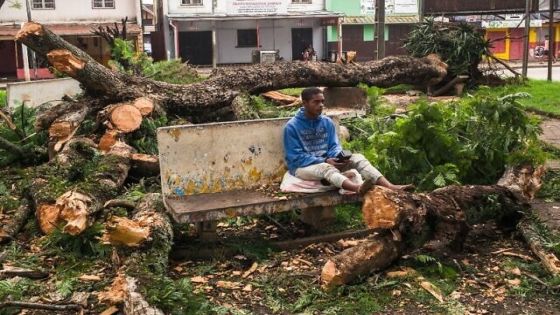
(218,91)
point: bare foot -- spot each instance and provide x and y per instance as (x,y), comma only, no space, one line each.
(367,185)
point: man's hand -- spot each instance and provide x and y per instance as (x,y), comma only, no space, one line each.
(336,163)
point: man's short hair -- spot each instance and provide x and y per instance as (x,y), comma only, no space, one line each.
(308,93)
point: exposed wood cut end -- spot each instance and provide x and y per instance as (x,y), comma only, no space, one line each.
(29,28)
(524,180)
(64,61)
(48,217)
(330,275)
(116,293)
(379,208)
(74,210)
(280,97)
(145,105)
(107,141)
(123,231)
(60,129)
(126,118)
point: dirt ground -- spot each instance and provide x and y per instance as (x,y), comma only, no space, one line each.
(495,274)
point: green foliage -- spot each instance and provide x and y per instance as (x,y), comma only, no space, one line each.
(549,239)
(3,99)
(24,137)
(126,59)
(84,244)
(65,287)
(144,139)
(15,290)
(469,141)
(373,95)
(175,297)
(550,189)
(459,45)
(171,71)
(21,257)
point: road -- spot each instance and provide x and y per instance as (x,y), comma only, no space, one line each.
(539,73)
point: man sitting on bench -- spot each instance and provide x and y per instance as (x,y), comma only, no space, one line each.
(313,152)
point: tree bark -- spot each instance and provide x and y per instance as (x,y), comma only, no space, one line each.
(75,185)
(440,218)
(19,218)
(199,100)
(147,261)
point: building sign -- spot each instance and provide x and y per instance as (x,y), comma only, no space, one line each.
(401,7)
(257,6)
(367,7)
(509,24)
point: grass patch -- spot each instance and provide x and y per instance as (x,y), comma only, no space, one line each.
(292,91)
(545,95)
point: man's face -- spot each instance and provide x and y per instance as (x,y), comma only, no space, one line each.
(314,107)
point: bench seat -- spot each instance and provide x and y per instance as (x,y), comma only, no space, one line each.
(228,204)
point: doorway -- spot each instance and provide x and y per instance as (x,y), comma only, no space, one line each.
(196,47)
(301,37)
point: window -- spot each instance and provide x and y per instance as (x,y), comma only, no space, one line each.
(301,1)
(103,4)
(191,2)
(43,4)
(247,38)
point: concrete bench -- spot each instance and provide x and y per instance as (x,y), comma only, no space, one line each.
(222,170)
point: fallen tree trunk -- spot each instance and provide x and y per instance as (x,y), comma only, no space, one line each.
(199,100)
(440,218)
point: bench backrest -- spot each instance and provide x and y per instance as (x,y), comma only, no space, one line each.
(217,157)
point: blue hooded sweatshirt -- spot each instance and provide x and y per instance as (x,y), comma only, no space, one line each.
(309,141)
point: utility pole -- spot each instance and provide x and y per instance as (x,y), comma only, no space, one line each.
(24,51)
(550,38)
(526,32)
(380,29)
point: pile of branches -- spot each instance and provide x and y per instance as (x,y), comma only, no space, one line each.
(90,158)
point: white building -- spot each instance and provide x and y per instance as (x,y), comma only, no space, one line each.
(214,32)
(74,20)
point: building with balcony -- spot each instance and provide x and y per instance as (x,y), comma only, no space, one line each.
(71,19)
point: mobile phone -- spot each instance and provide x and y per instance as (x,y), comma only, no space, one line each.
(343,156)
